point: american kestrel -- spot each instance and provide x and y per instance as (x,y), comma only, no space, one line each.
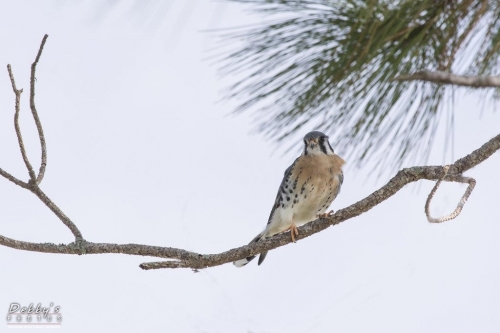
(308,188)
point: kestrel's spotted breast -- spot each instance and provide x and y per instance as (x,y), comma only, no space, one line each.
(307,190)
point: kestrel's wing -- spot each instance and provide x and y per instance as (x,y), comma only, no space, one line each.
(341,181)
(286,181)
(282,189)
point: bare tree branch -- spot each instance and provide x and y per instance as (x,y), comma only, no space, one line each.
(32,185)
(16,124)
(449,78)
(34,188)
(13,179)
(43,164)
(186,259)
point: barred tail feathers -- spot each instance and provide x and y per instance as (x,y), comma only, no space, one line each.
(244,261)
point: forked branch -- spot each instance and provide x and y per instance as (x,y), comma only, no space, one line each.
(180,258)
(35,180)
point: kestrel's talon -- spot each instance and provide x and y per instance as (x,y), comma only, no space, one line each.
(294,232)
(325,215)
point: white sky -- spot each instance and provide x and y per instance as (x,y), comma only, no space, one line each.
(140,152)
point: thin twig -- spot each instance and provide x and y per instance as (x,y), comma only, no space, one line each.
(449,78)
(13,179)
(56,210)
(16,124)
(164,264)
(450,178)
(38,123)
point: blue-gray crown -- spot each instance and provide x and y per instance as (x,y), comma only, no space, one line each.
(314,135)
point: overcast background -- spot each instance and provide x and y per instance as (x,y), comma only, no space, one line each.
(139,151)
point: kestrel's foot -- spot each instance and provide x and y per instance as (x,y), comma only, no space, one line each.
(293,231)
(325,215)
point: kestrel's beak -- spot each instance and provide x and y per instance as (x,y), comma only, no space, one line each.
(312,144)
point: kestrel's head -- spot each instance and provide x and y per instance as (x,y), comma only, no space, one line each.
(316,143)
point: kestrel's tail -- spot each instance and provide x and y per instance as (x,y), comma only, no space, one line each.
(243,262)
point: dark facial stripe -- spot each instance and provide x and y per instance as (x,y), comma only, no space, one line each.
(330,146)
(322,145)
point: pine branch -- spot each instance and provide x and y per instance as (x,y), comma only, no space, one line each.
(330,63)
(449,78)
